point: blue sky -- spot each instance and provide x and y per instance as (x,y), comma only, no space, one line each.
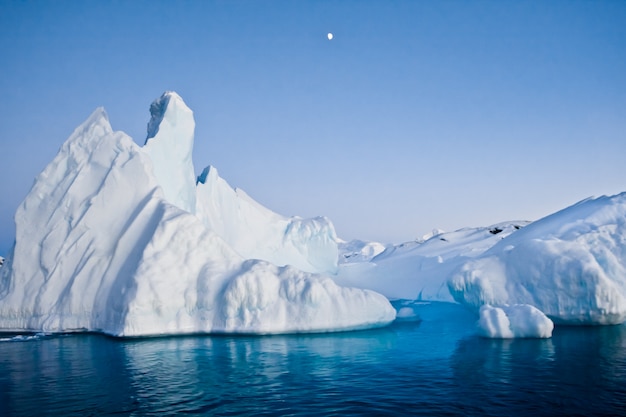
(417,115)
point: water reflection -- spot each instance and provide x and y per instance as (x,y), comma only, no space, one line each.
(580,371)
(231,373)
(66,375)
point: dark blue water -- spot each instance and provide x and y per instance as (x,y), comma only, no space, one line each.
(433,367)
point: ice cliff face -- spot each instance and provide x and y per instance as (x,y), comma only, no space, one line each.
(170,146)
(570,265)
(107,241)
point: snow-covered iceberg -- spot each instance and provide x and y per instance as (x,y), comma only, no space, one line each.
(107,240)
(571,265)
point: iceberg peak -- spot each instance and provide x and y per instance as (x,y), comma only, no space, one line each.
(97,121)
(208,174)
(170,146)
(158,109)
(98,116)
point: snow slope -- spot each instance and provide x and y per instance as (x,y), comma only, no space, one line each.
(104,242)
(256,232)
(418,269)
(571,265)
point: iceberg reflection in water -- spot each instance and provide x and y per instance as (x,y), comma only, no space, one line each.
(431,366)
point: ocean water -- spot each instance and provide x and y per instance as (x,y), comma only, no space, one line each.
(436,365)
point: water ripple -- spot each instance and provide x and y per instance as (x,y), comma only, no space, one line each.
(422,368)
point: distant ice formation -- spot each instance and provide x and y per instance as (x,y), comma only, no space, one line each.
(418,269)
(108,240)
(571,265)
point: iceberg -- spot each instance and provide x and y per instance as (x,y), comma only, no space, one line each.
(571,265)
(112,238)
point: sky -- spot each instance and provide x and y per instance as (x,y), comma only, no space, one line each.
(416,115)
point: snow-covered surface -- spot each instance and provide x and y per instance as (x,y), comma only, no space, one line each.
(256,232)
(571,265)
(419,269)
(516,321)
(107,241)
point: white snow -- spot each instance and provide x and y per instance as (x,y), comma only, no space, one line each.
(570,265)
(418,269)
(256,232)
(106,241)
(516,321)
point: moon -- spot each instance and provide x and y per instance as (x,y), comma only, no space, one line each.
(330,36)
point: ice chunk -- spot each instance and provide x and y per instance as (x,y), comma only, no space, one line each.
(516,321)
(359,251)
(407,314)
